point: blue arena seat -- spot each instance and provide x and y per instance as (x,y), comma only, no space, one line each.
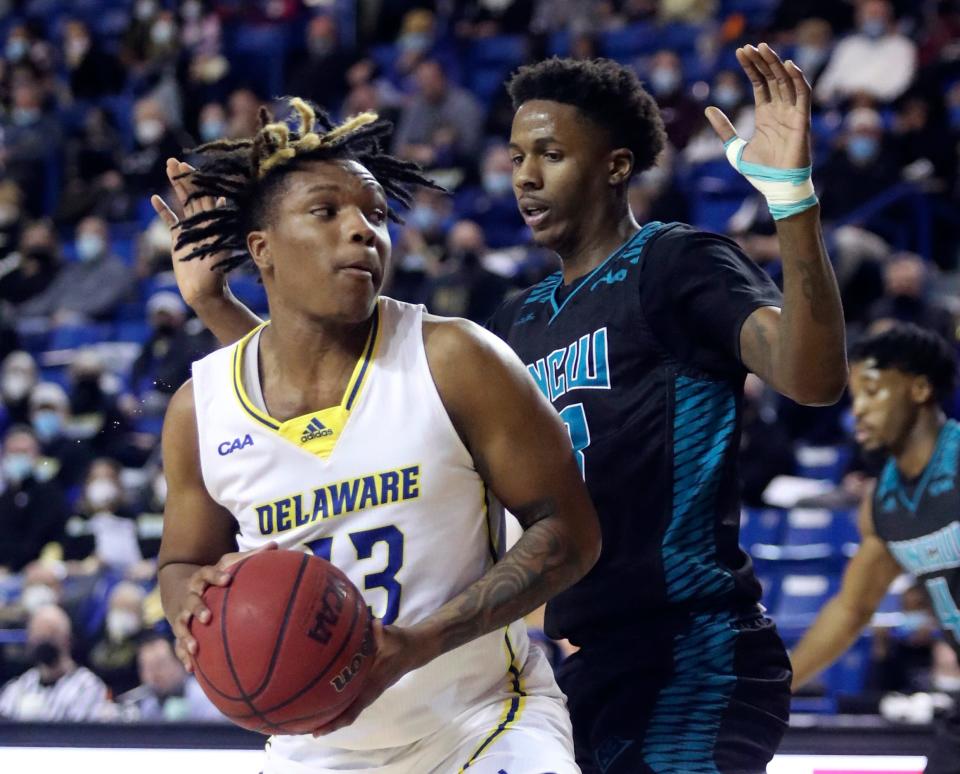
(801,598)
(806,527)
(630,42)
(761,525)
(824,462)
(490,60)
(137,331)
(73,336)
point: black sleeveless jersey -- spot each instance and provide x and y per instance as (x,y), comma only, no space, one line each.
(641,359)
(920,523)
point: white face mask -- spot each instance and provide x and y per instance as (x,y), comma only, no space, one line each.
(36,596)
(100,493)
(15,385)
(121,624)
(148,131)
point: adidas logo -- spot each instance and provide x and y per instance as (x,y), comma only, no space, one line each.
(316,429)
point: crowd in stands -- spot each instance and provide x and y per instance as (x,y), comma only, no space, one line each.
(96,95)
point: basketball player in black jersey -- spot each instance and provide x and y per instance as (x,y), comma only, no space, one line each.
(911,521)
(642,343)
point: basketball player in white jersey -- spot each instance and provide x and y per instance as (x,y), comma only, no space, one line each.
(368,432)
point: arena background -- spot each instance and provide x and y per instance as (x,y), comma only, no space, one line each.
(95,95)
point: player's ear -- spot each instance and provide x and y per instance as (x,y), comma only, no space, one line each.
(259,248)
(619,166)
(921,391)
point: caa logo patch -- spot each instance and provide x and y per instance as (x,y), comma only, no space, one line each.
(229,447)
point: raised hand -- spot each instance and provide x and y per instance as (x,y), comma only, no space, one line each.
(782,97)
(196,280)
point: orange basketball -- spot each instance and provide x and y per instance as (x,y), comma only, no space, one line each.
(289,643)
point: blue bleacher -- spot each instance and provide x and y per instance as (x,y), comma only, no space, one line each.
(807,527)
(823,462)
(801,597)
(761,525)
(490,60)
(73,336)
(630,42)
(257,56)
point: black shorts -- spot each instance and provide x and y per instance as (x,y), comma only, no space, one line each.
(944,757)
(707,694)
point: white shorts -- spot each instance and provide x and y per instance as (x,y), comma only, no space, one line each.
(507,735)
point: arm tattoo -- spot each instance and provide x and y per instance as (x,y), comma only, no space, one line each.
(816,289)
(760,351)
(541,564)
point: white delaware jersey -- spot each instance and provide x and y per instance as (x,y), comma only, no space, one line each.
(383,487)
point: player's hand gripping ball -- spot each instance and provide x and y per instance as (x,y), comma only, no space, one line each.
(288,646)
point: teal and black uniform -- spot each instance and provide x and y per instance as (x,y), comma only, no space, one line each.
(678,669)
(919,520)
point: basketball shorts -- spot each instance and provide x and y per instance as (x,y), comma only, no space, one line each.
(944,757)
(506,733)
(700,695)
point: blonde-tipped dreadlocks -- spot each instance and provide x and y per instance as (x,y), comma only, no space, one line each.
(245,172)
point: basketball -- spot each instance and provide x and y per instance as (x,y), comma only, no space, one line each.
(288,646)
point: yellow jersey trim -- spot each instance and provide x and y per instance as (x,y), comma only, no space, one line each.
(513,707)
(318,431)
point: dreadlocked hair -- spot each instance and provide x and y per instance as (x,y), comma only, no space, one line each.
(244,174)
(913,350)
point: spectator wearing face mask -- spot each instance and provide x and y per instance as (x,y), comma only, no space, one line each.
(493,206)
(56,688)
(65,457)
(96,410)
(164,363)
(211,125)
(906,298)
(104,531)
(814,44)
(166,692)
(320,75)
(860,168)
(92,73)
(681,114)
(33,512)
(145,168)
(32,268)
(18,376)
(89,288)
(876,60)
(136,39)
(729,92)
(464,287)
(30,133)
(114,656)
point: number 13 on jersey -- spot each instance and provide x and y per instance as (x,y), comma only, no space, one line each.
(575,418)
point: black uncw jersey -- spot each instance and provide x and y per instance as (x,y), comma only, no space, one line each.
(641,359)
(920,523)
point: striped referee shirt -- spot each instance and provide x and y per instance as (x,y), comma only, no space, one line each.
(78,695)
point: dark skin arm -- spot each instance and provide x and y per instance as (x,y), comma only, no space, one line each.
(800,350)
(865,582)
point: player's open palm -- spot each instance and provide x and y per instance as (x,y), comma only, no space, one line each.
(195,279)
(782,97)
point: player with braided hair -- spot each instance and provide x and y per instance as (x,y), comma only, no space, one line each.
(354,426)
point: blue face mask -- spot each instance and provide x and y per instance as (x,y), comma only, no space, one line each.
(16,49)
(212,130)
(89,247)
(17,467)
(47,423)
(873,28)
(24,116)
(423,218)
(862,148)
(664,81)
(810,57)
(497,184)
(415,42)
(727,97)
